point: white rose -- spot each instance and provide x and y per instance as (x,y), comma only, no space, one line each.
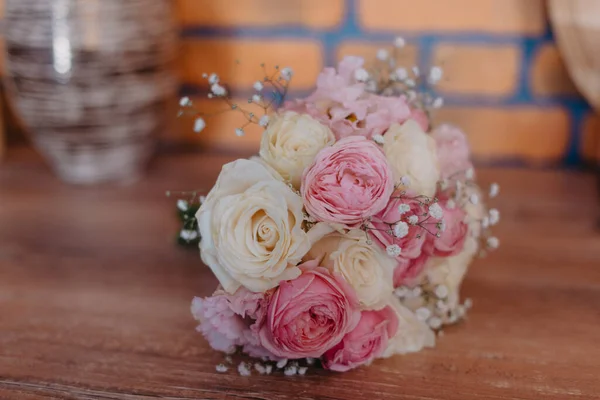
(251,228)
(411,153)
(413,334)
(291,142)
(365,267)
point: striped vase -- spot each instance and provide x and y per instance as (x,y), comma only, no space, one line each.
(90,80)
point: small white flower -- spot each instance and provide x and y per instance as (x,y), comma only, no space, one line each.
(382,54)
(441,291)
(244,370)
(221,368)
(282,363)
(378,139)
(485,222)
(434,322)
(494,216)
(400,229)
(405,180)
(451,204)
(438,102)
(199,125)
(182,205)
(361,75)
(468,303)
(435,74)
(310,360)
(188,234)
(493,242)
(258,86)
(264,120)
(401,73)
(401,291)
(413,219)
(302,370)
(291,370)
(416,71)
(494,189)
(435,211)
(444,184)
(403,208)
(416,292)
(410,82)
(399,42)
(470,173)
(268,369)
(423,313)
(185,101)
(202,199)
(213,78)
(393,250)
(287,73)
(256,98)
(239,132)
(441,306)
(474,199)
(260,368)
(218,90)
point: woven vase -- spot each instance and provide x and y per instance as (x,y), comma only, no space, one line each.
(90,80)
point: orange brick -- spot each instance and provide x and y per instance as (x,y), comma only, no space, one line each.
(220,55)
(530,133)
(368,50)
(590,139)
(219,134)
(549,75)
(232,13)
(496,16)
(478,69)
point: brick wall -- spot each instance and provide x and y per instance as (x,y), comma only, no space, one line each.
(505,82)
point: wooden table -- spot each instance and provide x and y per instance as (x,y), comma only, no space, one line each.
(94,299)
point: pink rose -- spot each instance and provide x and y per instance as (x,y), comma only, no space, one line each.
(409,270)
(227,320)
(383,223)
(454,233)
(365,343)
(343,104)
(309,315)
(348,182)
(421,118)
(452,150)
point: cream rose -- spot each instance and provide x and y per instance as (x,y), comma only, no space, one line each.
(411,153)
(291,142)
(365,267)
(251,228)
(412,335)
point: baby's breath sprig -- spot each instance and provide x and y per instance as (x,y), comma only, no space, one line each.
(389,78)
(188,203)
(431,221)
(433,304)
(269,94)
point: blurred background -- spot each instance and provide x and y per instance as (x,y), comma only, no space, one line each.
(521,77)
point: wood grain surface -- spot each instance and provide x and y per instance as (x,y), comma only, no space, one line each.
(94,298)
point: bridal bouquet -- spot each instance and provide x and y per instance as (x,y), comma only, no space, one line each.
(346,239)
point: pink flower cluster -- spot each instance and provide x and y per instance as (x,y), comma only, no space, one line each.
(348,186)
